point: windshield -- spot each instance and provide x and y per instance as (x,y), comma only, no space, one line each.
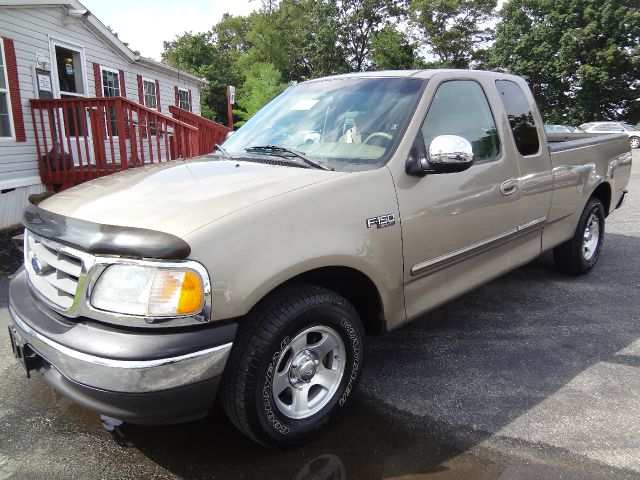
(349,123)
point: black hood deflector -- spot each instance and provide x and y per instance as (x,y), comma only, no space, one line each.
(99,239)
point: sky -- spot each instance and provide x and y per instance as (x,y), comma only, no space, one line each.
(145,24)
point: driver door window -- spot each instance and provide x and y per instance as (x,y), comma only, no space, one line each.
(460,107)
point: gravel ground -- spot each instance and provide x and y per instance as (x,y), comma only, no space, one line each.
(10,254)
(534,375)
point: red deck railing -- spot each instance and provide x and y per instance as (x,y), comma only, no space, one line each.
(210,132)
(79,139)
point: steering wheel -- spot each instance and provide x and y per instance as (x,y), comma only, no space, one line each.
(384,135)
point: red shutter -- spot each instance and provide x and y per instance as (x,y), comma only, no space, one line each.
(190,102)
(140,90)
(123,93)
(14,89)
(97,79)
(158,95)
(123,84)
(177,96)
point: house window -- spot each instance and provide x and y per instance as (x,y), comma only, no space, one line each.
(110,82)
(183,99)
(149,90)
(111,88)
(5,101)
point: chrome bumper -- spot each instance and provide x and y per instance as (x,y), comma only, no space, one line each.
(126,376)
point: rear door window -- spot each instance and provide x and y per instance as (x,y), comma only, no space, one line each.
(523,125)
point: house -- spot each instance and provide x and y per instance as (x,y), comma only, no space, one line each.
(76,103)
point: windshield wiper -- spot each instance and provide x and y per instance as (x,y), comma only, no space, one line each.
(278,149)
(224,152)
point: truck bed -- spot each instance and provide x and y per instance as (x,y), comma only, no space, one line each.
(559,142)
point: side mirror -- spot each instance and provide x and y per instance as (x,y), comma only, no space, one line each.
(448,153)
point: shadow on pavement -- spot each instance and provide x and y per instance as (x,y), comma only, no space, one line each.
(438,392)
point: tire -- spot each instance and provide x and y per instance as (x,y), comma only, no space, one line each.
(579,255)
(301,343)
(635,142)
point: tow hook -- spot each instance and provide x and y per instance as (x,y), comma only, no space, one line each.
(110,423)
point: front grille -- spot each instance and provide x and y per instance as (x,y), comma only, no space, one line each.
(53,271)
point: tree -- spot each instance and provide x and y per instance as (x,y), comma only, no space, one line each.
(299,37)
(455,31)
(580,56)
(393,50)
(189,51)
(211,55)
(262,84)
(358,22)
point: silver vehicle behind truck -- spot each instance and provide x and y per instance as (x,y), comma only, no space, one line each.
(348,205)
(615,127)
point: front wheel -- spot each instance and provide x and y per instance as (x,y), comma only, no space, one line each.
(635,142)
(296,361)
(579,255)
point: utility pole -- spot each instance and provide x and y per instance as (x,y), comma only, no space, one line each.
(231,100)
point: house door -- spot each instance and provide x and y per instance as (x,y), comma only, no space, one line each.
(74,121)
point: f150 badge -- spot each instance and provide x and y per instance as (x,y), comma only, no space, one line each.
(381,221)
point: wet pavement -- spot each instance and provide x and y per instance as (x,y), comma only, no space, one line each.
(534,375)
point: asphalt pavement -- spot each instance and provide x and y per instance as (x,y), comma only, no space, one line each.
(534,375)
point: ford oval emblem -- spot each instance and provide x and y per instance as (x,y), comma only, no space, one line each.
(35,264)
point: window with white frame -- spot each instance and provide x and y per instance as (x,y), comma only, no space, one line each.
(183,99)
(5,101)
(110,82)
(111,88)
(149,91)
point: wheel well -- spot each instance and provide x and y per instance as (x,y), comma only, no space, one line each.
(353,285)
(603,193)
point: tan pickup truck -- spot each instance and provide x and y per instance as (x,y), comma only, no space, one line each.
(347,205)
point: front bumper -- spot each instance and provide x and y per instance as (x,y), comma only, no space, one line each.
(140,377)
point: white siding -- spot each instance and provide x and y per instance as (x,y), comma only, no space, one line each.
(12,203)
(32,30)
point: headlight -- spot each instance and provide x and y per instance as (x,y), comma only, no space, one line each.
(149,291)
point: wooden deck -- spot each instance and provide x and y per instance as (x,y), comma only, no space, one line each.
(79,139)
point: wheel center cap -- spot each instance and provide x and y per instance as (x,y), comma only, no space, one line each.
(303,367)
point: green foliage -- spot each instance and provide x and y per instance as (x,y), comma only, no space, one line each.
(392,50)
(581,57)
(262,84)
(456,31)
(358,22)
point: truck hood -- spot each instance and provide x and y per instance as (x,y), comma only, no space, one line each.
(179,197)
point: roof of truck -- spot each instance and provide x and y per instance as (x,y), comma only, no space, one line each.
(419,74)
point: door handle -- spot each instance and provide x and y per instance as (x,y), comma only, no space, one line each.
(509,187)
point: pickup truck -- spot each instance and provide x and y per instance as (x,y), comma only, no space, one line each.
(347,206)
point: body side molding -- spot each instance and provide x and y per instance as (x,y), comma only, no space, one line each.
(464,253)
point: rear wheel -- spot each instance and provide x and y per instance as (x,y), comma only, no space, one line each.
(296,360)
(579,255)
(635,142)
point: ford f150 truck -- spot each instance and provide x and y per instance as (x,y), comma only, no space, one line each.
(348,205)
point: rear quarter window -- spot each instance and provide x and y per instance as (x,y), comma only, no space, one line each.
(523,125)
